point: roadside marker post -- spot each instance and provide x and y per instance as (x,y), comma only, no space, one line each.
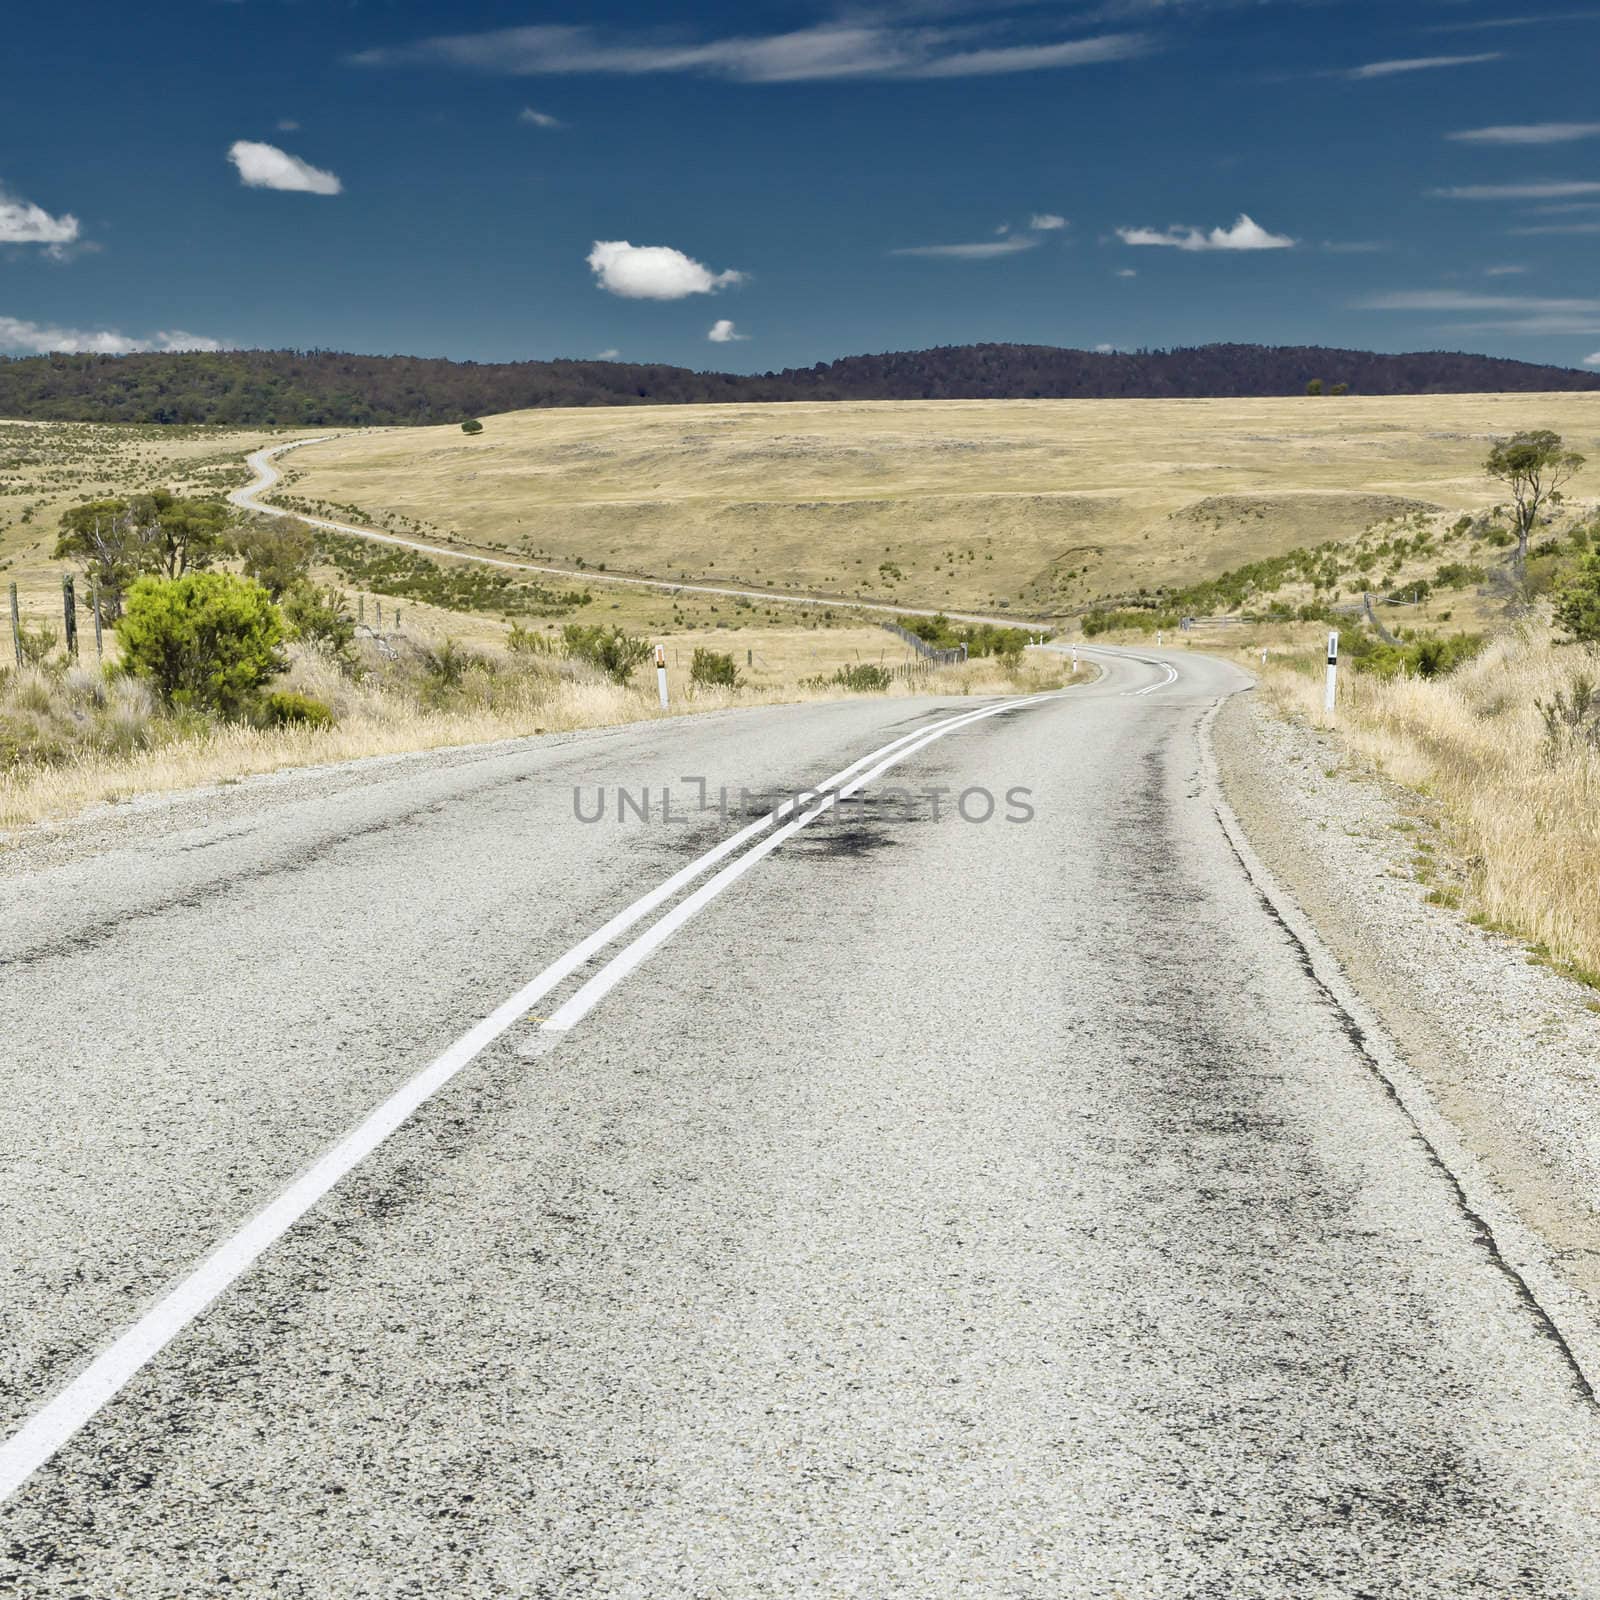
(661,674)
(16,625)
(94,602)
(1074,658)
(1333,672)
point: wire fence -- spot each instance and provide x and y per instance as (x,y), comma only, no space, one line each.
(932,654)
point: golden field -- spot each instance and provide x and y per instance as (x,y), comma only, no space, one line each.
(1032,505)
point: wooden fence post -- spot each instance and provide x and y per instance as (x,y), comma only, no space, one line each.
(69,608)
(16,626)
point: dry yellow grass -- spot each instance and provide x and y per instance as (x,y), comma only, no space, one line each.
(1038,504)
(1524,816)
(374,721)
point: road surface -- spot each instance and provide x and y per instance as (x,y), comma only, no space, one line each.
(898,1205)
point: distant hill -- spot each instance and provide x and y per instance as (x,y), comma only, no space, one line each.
(318,388)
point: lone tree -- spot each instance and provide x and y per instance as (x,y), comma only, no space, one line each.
(1314,387)
(472,425)
(156,532)
(276,552)
(1533,466)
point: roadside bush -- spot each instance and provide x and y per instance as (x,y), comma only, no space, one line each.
(714,668)
(522,641)
(1430,657)
(865,677)
(1457,575)
(321,618)
(37,643)
(284,708)
(614,652)
(1577,606)
(1571,717)
(208,641)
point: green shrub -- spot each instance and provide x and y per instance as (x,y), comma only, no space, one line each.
(208,641)
(276,552)
(472,425)
(713,668)
(1572,718)
(37,643)
(284,708)
(321,618)
(522,641)
(614,652)
(1457,575)
(865,677)
(1577,606)
(1429,657)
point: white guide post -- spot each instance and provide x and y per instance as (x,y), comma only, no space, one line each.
(661,674)
(1333,672)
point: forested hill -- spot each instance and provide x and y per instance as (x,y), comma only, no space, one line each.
(318,387)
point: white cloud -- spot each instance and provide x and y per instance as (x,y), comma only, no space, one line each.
(1127,272)
(1503,272)
(40,338)
(1515,191)
(1105,349)
(1387,69)
(265,166)
(608,355)
(288,125)
(1557,228)
(653,271)
(1592,361)
(1354,247)
(22,222)
(724,332)
(1046,222)
(841,49)
(1529,133)
(1245,234)
(1009,246)
(539,119)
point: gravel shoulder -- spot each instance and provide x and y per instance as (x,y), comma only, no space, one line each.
(1507,1050)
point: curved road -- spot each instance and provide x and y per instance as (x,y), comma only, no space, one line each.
(416,1190)
(267,476)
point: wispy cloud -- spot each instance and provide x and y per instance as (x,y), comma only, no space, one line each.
(35,338)
(724,332)
(1546,229)
(1011,245)
(1046,222)
(841,49)
(1484,24)
(22,222)
(1245,234)
(1518,313)
(1388,69)
(1592,361)
(1525,133)
(1355,247)
(1503,272)
(265,166)
(1516,191)
(539,119)
(1465,300)
(653,271)
(608,355)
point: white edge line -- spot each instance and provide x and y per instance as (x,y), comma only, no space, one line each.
(54,1424)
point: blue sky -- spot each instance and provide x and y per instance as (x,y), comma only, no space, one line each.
(771,184)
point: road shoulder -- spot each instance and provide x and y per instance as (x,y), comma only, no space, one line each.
(1507,1051)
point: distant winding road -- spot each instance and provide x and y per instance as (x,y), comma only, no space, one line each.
(261,462)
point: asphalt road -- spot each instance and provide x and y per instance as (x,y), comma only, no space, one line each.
(938,1207)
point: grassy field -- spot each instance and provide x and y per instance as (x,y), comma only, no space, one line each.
(1038,506)
(47,466)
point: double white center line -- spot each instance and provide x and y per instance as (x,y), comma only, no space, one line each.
(49,1428)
